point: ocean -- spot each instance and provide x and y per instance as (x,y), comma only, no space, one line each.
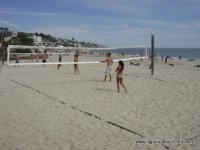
(185,53)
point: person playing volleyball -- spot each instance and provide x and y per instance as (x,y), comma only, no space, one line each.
(109,62)
(60,60)
(76,69)
(17,59)
(44,58)
(119,77)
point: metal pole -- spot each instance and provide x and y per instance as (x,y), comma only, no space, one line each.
(152,54)
(1,53)
(8,54)
(2,46)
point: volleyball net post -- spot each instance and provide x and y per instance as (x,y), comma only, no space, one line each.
(152,54)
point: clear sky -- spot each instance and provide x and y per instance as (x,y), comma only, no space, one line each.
(175,23)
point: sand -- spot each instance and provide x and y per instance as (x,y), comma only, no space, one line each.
(42,108)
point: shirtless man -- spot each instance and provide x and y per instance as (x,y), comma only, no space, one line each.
(17,59)
(44,59)
(109,62)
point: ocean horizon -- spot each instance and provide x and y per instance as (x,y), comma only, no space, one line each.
(185,53)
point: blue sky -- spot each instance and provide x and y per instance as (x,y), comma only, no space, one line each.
(175,23)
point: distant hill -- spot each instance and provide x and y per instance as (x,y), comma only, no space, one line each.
(23,38)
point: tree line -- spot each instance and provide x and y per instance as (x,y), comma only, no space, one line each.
(23,38)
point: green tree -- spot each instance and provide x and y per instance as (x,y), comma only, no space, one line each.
(24,40)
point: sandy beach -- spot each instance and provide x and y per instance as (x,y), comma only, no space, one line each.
(43,108)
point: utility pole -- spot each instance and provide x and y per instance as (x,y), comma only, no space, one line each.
(2,47)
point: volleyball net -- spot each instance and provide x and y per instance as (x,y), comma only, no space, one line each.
(34,55)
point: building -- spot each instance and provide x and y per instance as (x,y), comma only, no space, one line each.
(37,40)
(14,34)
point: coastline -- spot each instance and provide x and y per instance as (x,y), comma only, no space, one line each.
(185,53)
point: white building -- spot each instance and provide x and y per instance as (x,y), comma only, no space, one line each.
(7,38)
(14,34)
(37,40)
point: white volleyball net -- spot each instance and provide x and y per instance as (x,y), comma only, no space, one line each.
(35,55)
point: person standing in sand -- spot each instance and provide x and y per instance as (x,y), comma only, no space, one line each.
(166,59)
(108,71)
(37,58)
(44,59)
(76,69)
(32,57)
(17,59)
(119,77)
(60,60)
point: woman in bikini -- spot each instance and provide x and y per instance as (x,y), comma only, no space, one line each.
(76,67)
(119,77)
